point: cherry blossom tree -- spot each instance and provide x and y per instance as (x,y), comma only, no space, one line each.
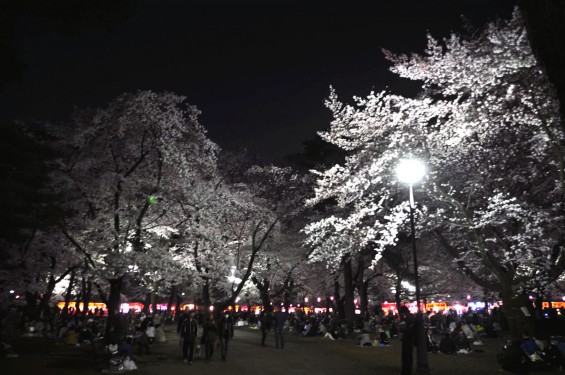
(487,125)
(34,268)
(122,163)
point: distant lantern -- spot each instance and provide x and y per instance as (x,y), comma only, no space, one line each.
(152,200)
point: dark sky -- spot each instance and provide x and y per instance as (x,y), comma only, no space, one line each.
(258,73)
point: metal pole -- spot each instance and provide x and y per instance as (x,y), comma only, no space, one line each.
(414,252)
(421,348)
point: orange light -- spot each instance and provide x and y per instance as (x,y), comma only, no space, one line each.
(91,305)
(189,306)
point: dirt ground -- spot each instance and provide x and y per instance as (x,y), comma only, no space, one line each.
(301,355)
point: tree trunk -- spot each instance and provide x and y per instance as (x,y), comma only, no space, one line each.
(114,304)
(206,300)
(31,309)
(364,300)
(171,299)
(287,295)
(154,289)
(517,320)
(86,294)
(397,289)
(68,294)
(147,303)
(44,308)
(177,306)
(361,287)
(340,309)
(349,305)
(263,287)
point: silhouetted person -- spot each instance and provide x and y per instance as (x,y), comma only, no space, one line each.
(209,336)
(266,325)
(188,332)
(279,319)
(407,332)
(446,345)
(225,332)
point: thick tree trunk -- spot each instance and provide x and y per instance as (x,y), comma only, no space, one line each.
(287,295)
(397,289)
(349,305)
(44,308)
(340,309)
(114,304)
(263,288)
(364,299)
(515,309)
(171,298)
(177,306)
(31,309)
(86,294)
(362,287)
(147,303)
(154,289)
(206,300)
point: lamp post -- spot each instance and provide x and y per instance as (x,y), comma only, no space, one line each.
(411,171)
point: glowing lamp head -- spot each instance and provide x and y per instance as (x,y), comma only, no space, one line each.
(410,171)
(152,200)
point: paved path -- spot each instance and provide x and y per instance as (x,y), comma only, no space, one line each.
(301,355)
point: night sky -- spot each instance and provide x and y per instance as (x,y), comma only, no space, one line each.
(258,73)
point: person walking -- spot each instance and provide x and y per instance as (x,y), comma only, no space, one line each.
(181,318)
(225,332)
(188,332)
(266,320)
(279,320)
(407,330)
(209,337)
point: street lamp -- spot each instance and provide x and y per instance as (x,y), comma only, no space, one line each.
(411,171)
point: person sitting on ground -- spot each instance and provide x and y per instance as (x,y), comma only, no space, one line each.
(126,347)
(306,328)
(323,329)
(150,332)
(472,336)
(552,357)
(431,343)
(462,343)
(142,344)
(314,328)
(335,328)
(446,345)
(71,337)
(532,350)
(529,344)
(513,359)
(383,337)
(365,339)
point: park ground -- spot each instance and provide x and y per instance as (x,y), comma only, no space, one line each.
(301,355)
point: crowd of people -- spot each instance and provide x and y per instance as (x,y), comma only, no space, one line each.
(201,333)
